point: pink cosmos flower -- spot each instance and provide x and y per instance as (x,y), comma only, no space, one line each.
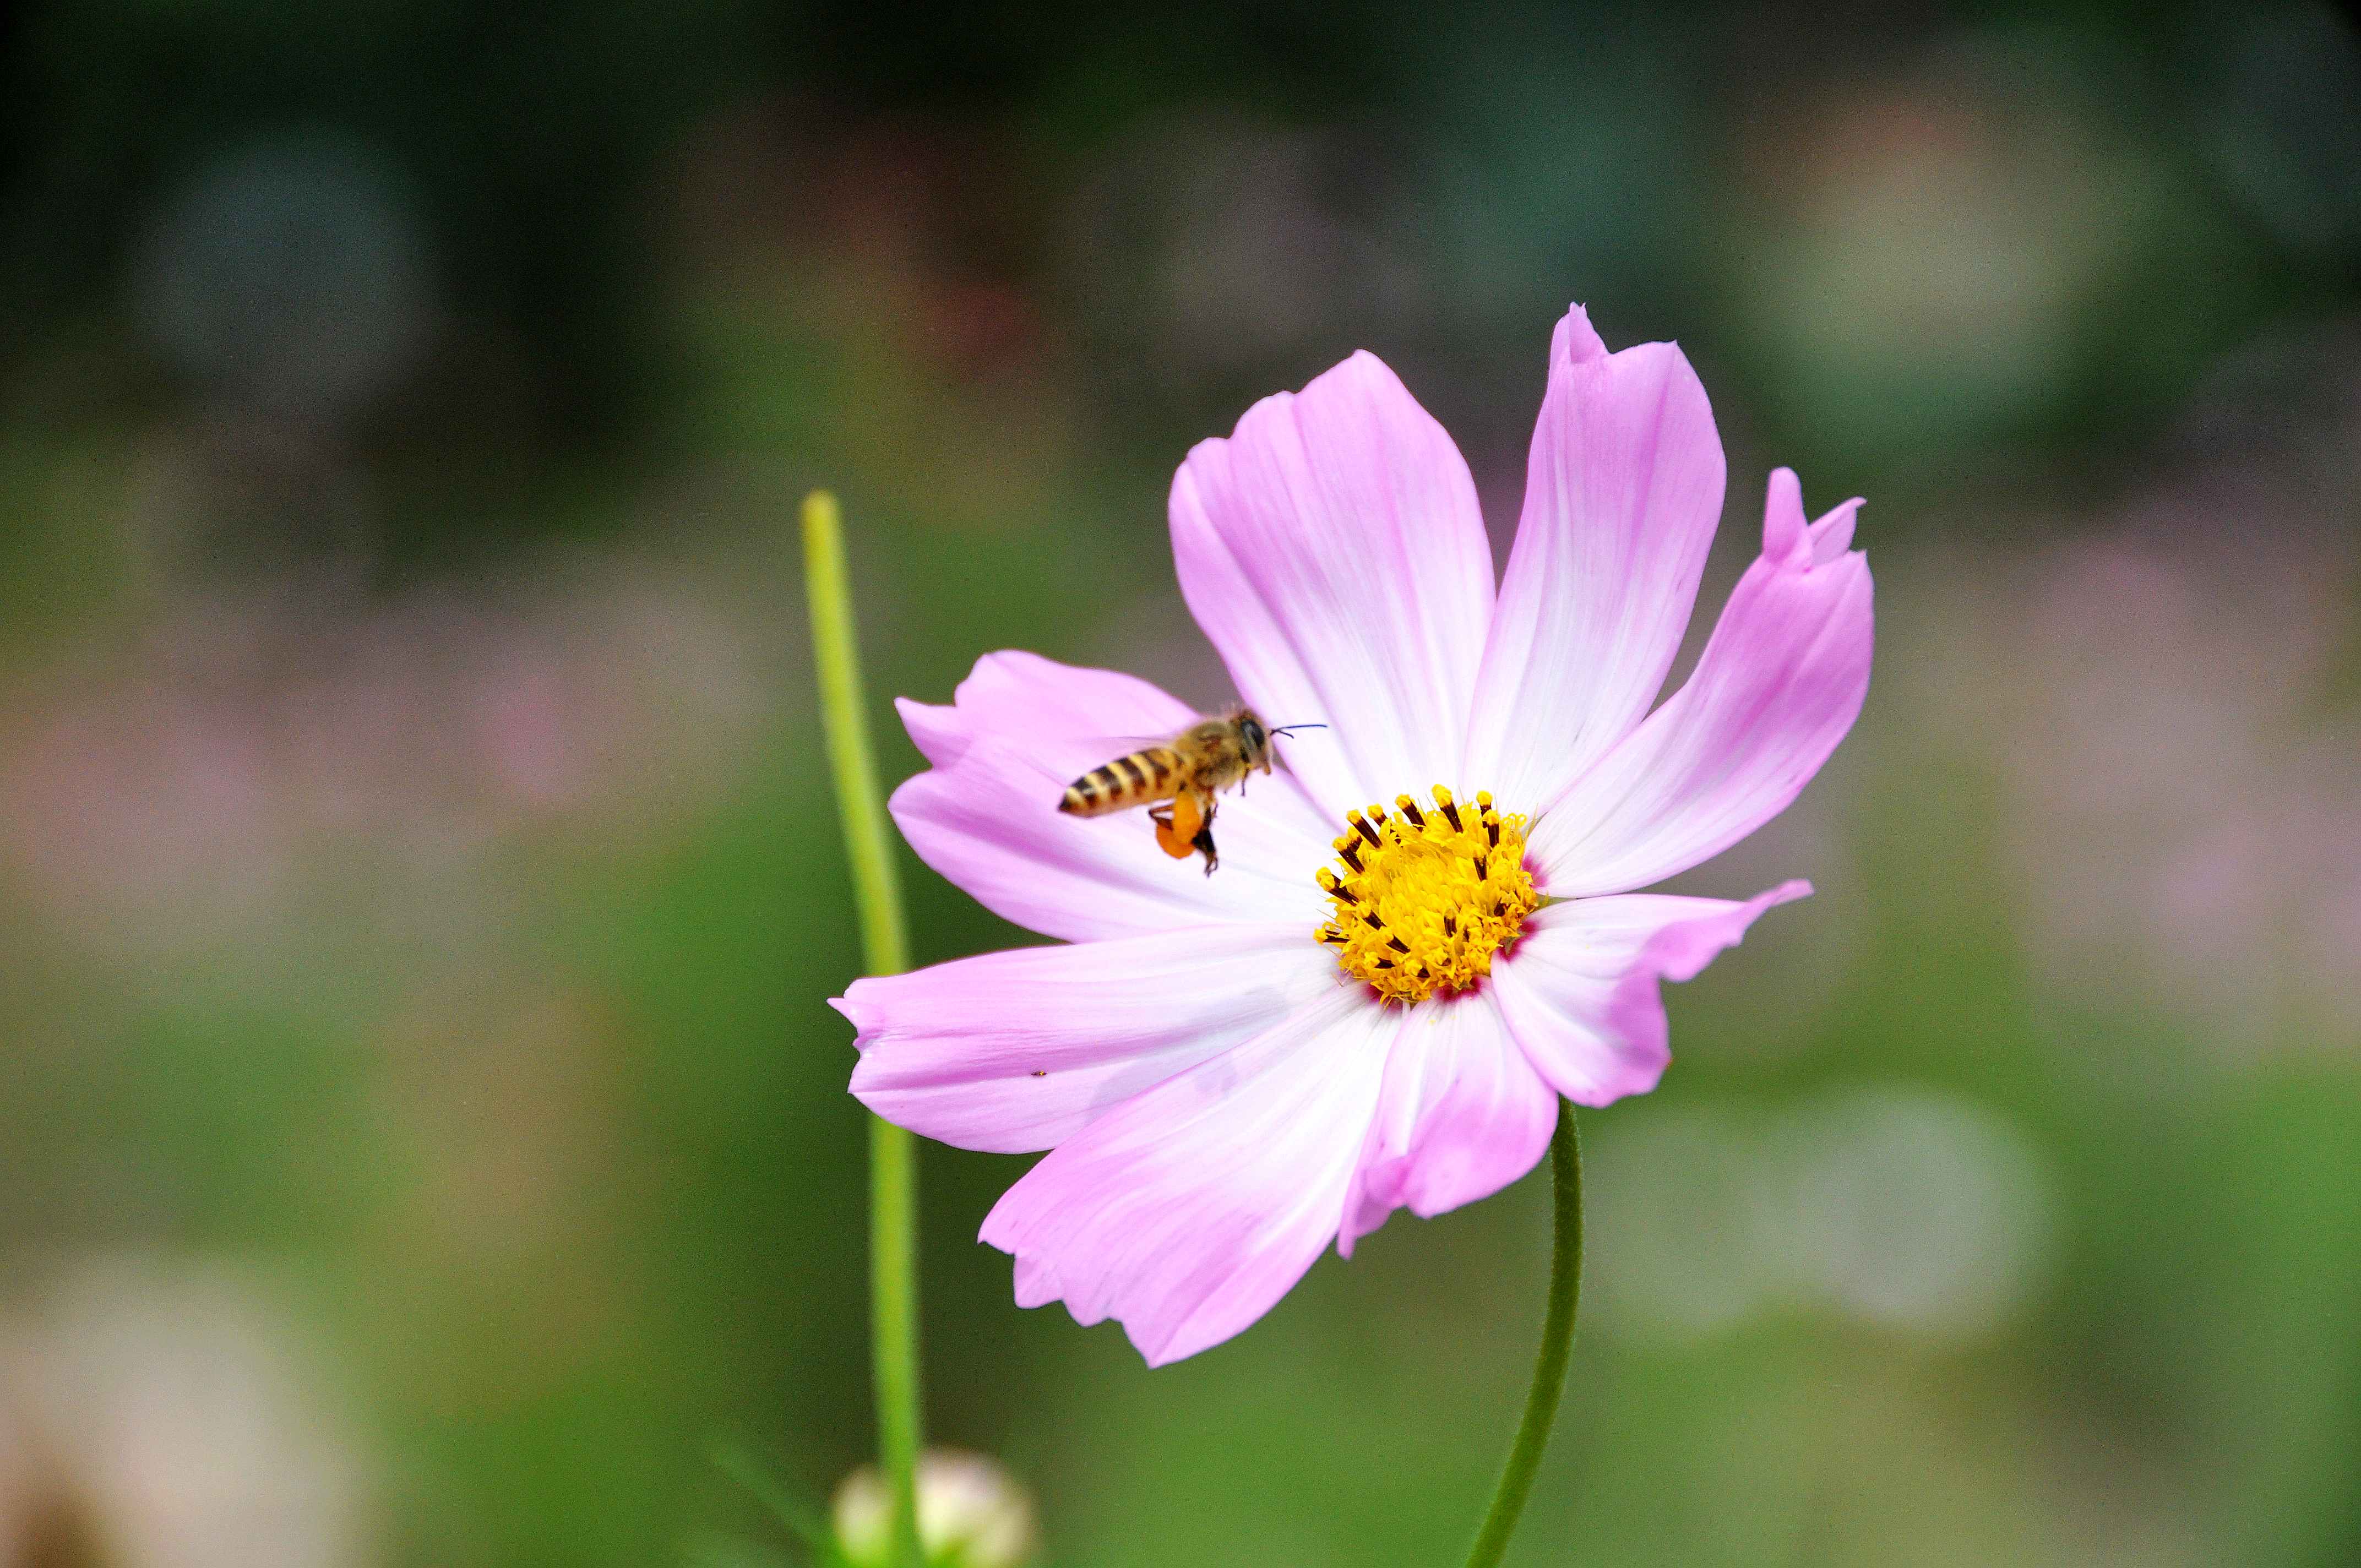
(1367,1007)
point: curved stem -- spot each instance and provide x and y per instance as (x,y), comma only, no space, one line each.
(1557,1347)
(885,949)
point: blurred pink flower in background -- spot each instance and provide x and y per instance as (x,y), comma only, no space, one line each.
(2165,702)
(1220,1101)
(2186,808)
(260,755)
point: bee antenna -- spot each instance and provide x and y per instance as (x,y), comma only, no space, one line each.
(1292,729)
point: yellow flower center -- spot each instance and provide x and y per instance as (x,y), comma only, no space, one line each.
(1425,898)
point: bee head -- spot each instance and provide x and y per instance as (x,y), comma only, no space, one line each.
(1255,738)
(1254,741)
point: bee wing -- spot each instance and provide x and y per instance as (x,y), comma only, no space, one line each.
(1107,748)
(1060,760)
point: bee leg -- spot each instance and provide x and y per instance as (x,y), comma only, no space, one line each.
(1202,842)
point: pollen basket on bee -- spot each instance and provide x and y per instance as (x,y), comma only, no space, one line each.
(1139,779)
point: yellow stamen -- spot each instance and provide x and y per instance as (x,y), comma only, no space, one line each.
(1424,899)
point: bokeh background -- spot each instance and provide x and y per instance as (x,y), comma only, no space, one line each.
(423,1135)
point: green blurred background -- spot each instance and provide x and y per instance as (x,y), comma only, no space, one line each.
(422,1134)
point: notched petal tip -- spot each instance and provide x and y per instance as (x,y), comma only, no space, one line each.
(1583,998)
(1782,515)
(934,730)
(1677,954)
(1832,535)
(1788,541)
(1680,952)
(1576,341)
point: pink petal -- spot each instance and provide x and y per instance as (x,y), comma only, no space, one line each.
(1579,993)
(1461,1114)
(1190,1210)
(1332,551)
(1778,685)
(1622,494)
(1012,694)
(1021,1049)
(986,815)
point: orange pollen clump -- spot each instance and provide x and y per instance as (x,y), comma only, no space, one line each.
(1426,897)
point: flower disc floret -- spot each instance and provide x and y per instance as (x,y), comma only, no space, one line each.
(1423,898)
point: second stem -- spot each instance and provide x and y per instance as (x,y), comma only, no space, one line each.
(885,949)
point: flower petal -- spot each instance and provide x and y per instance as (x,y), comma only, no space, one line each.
(1190,1210)
(1778,685)
(1332,551)
(1021,1049)
(1622,494)
(1461,1114)
(1580,992)
(1012,694)
(986,815)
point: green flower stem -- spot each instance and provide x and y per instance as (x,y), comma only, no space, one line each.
(885,947)
(1557,1347)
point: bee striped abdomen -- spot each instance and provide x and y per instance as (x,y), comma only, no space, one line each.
(1136,780)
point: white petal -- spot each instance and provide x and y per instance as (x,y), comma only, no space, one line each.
(1021,1049)
(1778,685)
(1189,1211)
(1462,1114)
(1332,552)
(1580,992)
(1623,491)
(986,815)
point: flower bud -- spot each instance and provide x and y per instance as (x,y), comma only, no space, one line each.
(972,1514)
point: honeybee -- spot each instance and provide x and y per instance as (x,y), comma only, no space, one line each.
(1187,771)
